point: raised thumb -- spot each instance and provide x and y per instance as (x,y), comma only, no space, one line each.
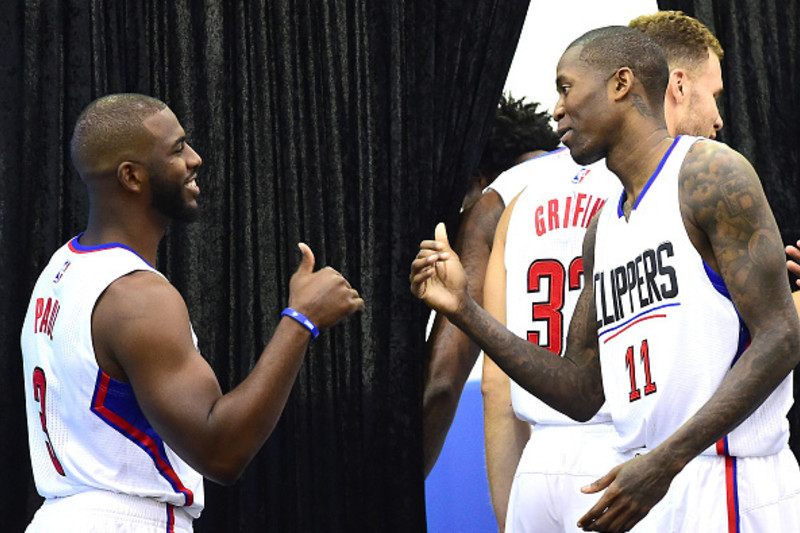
(307,262)
(441,234)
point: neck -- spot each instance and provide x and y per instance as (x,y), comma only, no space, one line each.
(138,233)
(635,162)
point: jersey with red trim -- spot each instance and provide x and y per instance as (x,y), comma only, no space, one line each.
(668,331)
(85,429)
(543,259)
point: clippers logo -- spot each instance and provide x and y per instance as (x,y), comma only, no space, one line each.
(580,175)
(61,272)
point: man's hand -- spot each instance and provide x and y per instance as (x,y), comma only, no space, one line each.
(325,297)
(437,276)
(794,253)
(632,489)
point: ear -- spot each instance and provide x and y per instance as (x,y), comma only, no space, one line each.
(623,82)
(677,89)
(131,176)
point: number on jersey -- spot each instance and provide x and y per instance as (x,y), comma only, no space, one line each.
(560,280)
(630,364)
(39,394)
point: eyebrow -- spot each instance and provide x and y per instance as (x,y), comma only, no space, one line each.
(181,140)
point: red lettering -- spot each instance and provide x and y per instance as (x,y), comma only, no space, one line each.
(540,229)
(552,214)
(566,211)
(38,314)
(578,208)
(597,206)
(45,315)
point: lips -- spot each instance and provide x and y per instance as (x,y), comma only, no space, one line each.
(191,184)
(564,134)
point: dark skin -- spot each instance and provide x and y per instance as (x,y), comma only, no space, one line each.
(730,224)
(451,353)
(141,330)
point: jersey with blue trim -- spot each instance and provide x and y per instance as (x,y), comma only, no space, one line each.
(85,429)
(668,331)
(511,182)
(543,259)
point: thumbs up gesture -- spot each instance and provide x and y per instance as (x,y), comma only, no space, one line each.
(324,296)
(437,276)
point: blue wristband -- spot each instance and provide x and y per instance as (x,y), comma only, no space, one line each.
(302,319)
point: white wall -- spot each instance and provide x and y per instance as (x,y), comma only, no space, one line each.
(549,27)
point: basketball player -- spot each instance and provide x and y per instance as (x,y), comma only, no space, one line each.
(686,313)
(520,132)
(124,414)
(560,456)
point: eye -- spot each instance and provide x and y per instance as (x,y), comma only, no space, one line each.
(563,89)
(179,148)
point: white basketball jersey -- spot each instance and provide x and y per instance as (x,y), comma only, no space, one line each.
(511,182)
(86,430)
(668,331)
(543,259)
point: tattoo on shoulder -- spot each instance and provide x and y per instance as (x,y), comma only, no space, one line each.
(724,197)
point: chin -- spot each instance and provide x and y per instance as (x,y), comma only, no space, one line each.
(584,157)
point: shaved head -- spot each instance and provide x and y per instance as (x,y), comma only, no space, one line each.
(613,47)
(110,130)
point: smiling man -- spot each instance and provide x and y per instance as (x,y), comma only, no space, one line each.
(684,327)
(125,417)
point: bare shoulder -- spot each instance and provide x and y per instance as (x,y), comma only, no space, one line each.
(729,219)
(717,181)
(479,222)
(140,317)
(138,295)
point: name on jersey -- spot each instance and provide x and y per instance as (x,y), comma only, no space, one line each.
(628,289)
(570,212)
(46,312)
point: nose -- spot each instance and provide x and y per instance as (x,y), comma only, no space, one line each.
(718,124)
(193,159)
(558,110)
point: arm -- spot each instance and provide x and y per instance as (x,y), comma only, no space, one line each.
(505,435)
(727,216)
(570,384)
(141,334)
(451,354)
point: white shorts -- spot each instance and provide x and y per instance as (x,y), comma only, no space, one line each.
(557,461)
(103,512)
(730,495)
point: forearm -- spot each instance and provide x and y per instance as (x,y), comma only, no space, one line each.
(242,420)
(451,358)
(572,388)
(505,437)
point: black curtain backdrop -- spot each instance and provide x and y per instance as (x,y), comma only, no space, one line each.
(349,124)
(760,106)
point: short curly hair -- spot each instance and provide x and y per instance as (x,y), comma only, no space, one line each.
(684,40)
(519,127)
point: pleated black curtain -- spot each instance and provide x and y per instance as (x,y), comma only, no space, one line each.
(761,104)
(351,125)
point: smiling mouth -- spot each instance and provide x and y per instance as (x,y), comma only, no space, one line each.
(191,184)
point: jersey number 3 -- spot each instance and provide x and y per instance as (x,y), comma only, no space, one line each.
(39,392)
(560,279)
